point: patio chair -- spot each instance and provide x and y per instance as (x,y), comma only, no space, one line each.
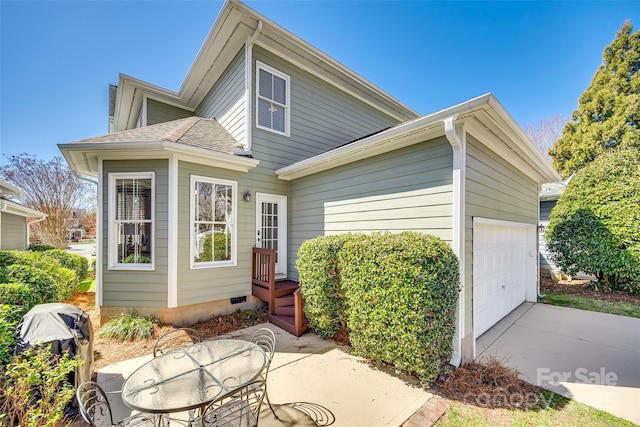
(174,339)
(96,410)
(265,338)
(243,410)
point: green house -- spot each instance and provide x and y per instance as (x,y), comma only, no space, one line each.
(269,142)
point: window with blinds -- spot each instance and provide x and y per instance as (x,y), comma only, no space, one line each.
(272,101)
(131,220)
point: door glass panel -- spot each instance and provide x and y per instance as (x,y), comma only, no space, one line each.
(269,230)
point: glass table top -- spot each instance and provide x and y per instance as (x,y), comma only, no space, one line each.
(191,376)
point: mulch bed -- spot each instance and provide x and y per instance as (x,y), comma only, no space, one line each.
(490,384)
(583,288)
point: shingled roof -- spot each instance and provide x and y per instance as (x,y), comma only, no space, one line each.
(191,131)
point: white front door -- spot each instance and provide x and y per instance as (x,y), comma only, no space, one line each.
(271,228)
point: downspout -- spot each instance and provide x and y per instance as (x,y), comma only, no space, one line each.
(29,227)
(248,92)
(458,143)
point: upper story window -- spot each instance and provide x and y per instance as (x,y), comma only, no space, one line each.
(272,99)
(131,220)
(213,222)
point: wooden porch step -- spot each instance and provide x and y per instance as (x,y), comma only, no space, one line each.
(285,287)
(284,305)
(287,323)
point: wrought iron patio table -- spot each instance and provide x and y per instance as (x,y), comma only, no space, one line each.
(192,376)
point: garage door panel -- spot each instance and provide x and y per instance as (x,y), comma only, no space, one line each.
(499,256)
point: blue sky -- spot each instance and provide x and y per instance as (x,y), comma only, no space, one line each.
(58,57)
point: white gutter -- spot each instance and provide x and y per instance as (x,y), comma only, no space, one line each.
(457,139)
(248,93)
(29,227)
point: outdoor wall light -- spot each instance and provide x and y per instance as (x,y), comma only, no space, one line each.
(247,196)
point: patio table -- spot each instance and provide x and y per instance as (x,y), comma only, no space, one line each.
(192,376)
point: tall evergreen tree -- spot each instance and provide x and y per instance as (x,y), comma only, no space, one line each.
(608,114)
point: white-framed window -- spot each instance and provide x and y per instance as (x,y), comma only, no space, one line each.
(213,211)
(131,221)
(272,99)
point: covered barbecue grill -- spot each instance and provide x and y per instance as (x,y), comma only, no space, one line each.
(66,328)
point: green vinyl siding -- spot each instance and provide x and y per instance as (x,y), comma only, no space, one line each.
(322,118)
(125,288)
(13,232)
(407,189)
(216,283)
(158,112)
(226,100)
(495,189)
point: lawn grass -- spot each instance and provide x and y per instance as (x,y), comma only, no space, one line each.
(87,284)
(576,301)
(561,412)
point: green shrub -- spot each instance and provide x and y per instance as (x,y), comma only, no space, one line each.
(65,278)
(41,284)
(40,248)
(319,276)
(136,259)
(595,226)
(8,322)
(35,388)
(129,327)
(218,251)
(75,262)
(397,292)
(8,257)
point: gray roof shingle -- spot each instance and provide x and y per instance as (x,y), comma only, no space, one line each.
(192,131)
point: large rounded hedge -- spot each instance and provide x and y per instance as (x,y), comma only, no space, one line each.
(397,294)
(595,226)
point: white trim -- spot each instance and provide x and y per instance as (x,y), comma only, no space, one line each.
(142,119)
(286,106)
(99,234)
(248,83)
(484,109)
(234,222)
(112,230)
(172,234)
(457,138)
(283,240)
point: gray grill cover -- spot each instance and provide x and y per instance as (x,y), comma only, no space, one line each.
(66,327)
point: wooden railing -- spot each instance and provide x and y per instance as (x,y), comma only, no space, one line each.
(284,297)
(264,273)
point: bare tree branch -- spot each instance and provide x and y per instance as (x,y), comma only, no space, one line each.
(545,133)
(51,188)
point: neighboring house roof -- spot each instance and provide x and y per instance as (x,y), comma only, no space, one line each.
(236,23)
(192,136)
(8,189)
(14,208)
(552,191)
(482,117)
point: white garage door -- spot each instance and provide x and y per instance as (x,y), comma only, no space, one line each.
(499,271)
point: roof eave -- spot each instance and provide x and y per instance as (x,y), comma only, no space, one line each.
(7,206)
(422,129)
(83,158)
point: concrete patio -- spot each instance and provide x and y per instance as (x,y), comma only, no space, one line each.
(593,358)
(312,379)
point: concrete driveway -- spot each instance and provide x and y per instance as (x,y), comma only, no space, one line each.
(593,358)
